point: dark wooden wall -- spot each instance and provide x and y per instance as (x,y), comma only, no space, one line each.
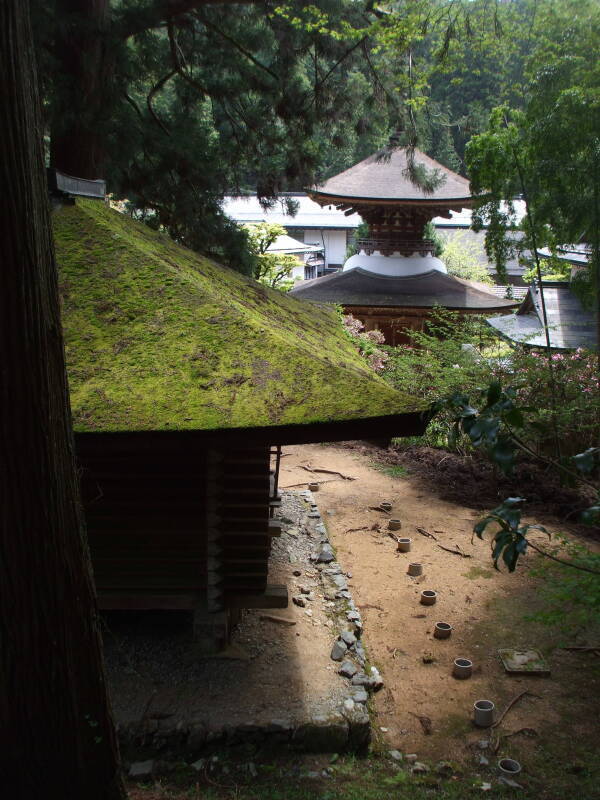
(172,524)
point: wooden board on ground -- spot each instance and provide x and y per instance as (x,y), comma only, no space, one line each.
(527,660)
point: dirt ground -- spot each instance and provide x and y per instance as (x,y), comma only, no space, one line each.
(272,674)
(422,708)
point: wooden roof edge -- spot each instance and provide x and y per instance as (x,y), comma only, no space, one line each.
(410,423)
(350,201)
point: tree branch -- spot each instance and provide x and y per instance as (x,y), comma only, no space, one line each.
(235,44)
(133,21)
(156,88)
(177,63)
(561,560)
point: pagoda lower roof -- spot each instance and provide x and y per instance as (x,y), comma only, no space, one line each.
(384,179)
(359,287)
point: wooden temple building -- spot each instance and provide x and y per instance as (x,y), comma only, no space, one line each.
(185,377)
(395,279)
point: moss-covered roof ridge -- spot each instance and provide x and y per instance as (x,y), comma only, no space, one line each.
(160,338)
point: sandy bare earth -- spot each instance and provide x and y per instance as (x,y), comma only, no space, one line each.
(422,708)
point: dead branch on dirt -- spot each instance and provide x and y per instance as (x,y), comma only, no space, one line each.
(328,472)
(379,508)
(281,620)
(595,649)
(368,605)
(527,731)
(353,530)
(423,532)
(393,536)
(305,483)
(457,552)
(508,707)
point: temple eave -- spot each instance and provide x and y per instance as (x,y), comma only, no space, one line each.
(352,205)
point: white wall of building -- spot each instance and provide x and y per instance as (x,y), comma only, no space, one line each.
(333,241)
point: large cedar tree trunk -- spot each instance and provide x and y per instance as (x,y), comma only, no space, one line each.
(83,100)
(56,734)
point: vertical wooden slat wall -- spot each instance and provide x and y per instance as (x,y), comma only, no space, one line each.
(173,524)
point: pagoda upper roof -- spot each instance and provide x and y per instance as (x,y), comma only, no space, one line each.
(358,287)
(385,177)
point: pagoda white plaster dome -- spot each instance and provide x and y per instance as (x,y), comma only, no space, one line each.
(395,265)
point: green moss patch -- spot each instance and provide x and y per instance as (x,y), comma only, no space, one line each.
(160,338)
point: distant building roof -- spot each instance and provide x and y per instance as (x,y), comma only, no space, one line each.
(570,325)
(463,218)
(518,292)
(287,244)
(158,338)
(358,287)
(310,215)
(384,177)
(577,254)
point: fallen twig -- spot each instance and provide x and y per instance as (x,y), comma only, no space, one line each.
(379,508)
(281,620)
(457,552)
(423,532)
(353,530)
(328,472)
(368,605)
(305,483)
(508,707)
(583,649)
(528,731)
(393,536)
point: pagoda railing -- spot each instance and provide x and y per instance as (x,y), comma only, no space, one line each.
(388,246)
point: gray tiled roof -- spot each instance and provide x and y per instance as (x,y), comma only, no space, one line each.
(358,287)
(387,179)
(570,325)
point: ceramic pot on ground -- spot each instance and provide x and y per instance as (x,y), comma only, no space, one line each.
(385,505)
(314,487)
(428,597)
(509,767)
(483,713)
(415,569)
(404,545)
(394,524)
(442,630)
(462,669)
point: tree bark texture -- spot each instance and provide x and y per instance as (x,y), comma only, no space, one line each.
(56,734)
(85,100)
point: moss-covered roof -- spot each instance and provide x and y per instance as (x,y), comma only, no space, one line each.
(160,338)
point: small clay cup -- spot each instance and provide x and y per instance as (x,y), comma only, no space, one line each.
(314,487)
(403,545)
(394,524)
(428,597)
(442,630)
(385,505)
(483,714)
(415,569)
(462,668)
(509,767)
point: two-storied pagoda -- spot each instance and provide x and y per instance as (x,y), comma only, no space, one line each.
(395,279)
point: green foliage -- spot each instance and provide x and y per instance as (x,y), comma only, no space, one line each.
(391,470)
(570,598)
(462,259)
(510,540)
(272,269)
(548,152)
